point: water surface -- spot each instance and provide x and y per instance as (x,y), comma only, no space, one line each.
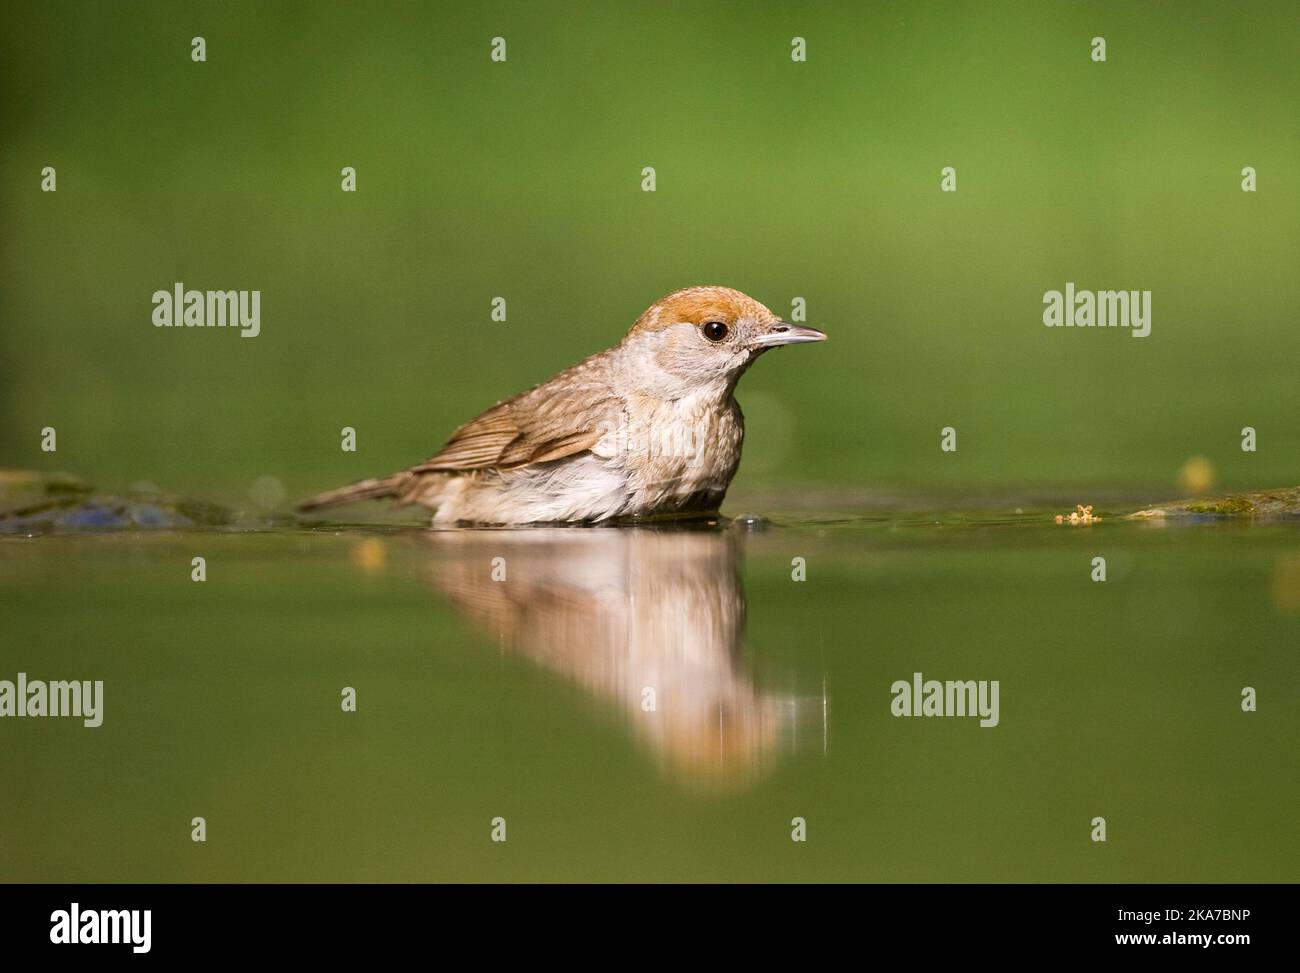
(525,698)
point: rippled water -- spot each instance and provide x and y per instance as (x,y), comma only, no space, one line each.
(658,704)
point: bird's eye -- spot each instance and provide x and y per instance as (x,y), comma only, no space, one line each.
(715,330)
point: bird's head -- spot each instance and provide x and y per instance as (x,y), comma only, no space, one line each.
(704,338)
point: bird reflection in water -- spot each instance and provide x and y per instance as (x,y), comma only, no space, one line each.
(647,620)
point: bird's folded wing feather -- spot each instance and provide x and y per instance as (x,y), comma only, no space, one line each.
(536,427)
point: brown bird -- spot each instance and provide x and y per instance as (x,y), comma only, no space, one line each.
(648,427)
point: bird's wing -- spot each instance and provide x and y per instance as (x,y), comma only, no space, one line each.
(535,427)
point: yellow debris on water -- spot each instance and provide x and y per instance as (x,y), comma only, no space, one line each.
(1080,515)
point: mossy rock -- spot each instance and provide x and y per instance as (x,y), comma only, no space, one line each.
(1283,502)
(36,502)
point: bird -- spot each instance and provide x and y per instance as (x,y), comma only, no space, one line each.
(649,428)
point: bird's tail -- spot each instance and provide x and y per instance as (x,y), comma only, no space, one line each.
(374,489)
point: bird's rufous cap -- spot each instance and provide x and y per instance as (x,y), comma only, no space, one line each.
(697,305)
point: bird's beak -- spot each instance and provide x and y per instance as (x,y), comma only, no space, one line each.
(784,333)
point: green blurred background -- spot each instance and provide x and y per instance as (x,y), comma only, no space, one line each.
(522,179)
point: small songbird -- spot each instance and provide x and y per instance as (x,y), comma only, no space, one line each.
(646,428)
